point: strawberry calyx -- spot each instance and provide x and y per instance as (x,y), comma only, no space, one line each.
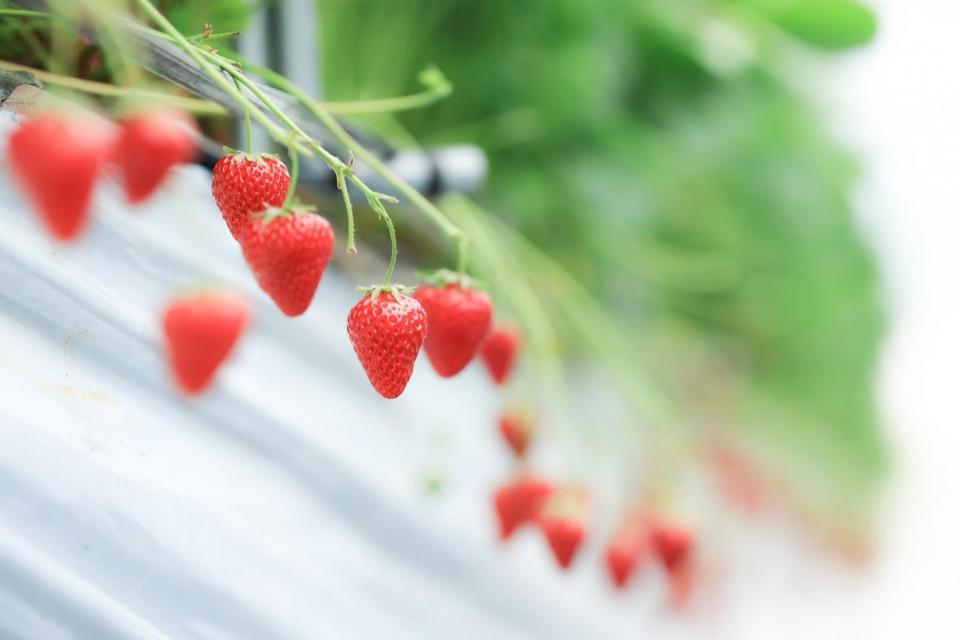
(396,290)
(246,156)
(443,277)
(272,213)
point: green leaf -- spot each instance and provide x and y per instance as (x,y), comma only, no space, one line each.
(826,24)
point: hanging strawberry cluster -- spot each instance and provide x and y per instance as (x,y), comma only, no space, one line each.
(57,157)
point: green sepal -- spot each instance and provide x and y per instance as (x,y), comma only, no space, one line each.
(396,290)
(246,156)
(272,213)
(443,277)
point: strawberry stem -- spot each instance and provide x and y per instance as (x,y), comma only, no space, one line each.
(294,177)
(348,207)
(382,212)
(201,58)
(320,112)
(247,125)
(462,247)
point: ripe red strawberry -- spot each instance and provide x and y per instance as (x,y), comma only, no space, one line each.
(201,331)
(517,431)
(499,352)
(673,545)
(56,158)
(288,252)
(520,502)
(564,534)
(150,144)
(562,521)
(459,317)
(387,330)
(625,551)
(244,184)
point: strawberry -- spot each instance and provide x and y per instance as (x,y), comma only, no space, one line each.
(562,521)
(387,330)
(288,251)
(150,144)
(517,431)
(624,552)
(244,184)
(499,352)
(673,545)
(201,331)
(56,159)
(520,502)
(564,535)
(459,316)
(682,583)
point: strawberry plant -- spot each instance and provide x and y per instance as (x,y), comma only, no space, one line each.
(672,232)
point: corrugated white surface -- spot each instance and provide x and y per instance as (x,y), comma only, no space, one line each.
(286,503)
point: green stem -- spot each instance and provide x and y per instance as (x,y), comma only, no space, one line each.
(374,198)
(393,249)
(462,252)
(194,105)
(247,125)
(447,227)
(24,13)
(348,207)
(294,177)
(332,161)
(199,37)
(389,105)
(212,72)
(341,170)
(61,35)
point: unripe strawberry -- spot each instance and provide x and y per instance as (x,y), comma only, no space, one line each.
(288,251)
(499,352)
(564,535)
(520,502)
(459,318)
(149,145)
(387,330)
(56,158)
(201,331)
(245,184)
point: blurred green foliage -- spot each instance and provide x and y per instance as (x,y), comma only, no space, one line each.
(660,151)
(189,16)
(827,24)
